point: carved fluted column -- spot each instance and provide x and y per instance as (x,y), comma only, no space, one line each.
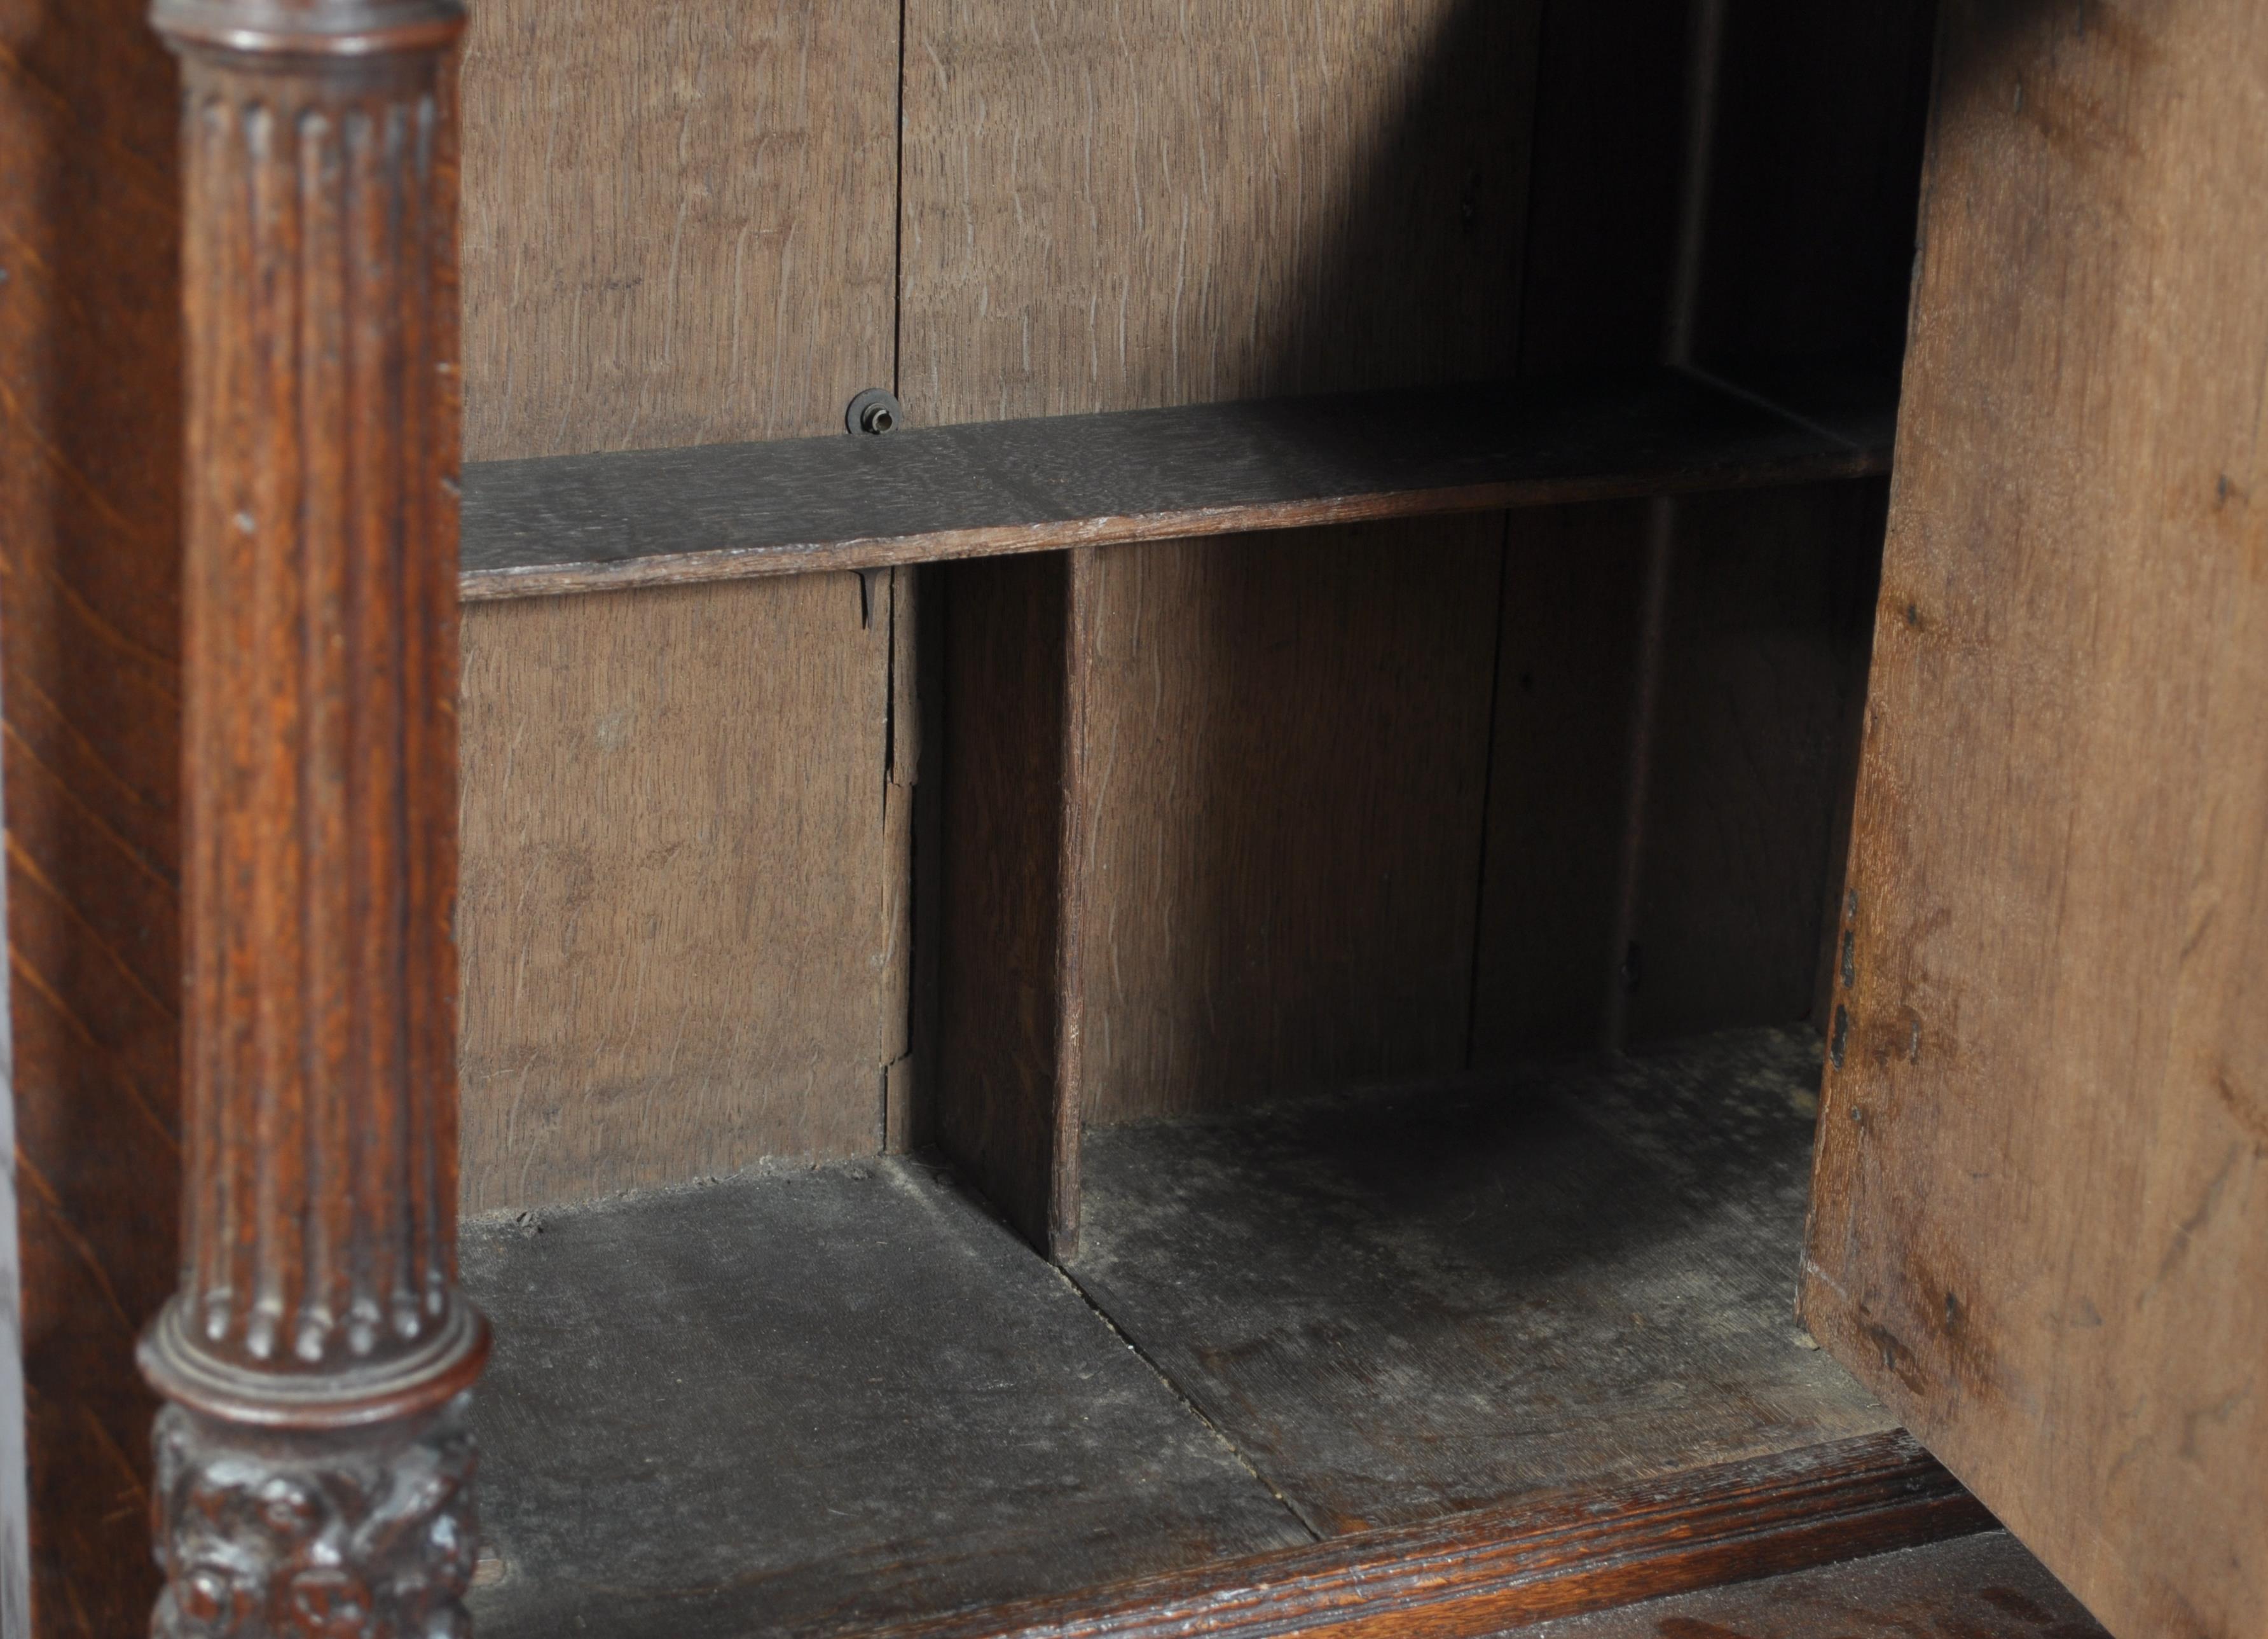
(313,1476)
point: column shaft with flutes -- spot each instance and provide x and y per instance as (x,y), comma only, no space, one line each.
(313,1474)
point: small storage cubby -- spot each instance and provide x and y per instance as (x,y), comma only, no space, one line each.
(1209,952)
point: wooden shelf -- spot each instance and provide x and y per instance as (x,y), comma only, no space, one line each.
(810,1401)
(580,523)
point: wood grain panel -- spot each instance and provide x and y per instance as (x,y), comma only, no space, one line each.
(90,463)
(681,949)
(679,220)
(1978,1587)
(585,523)
(1116,206)
(2041,1221)
(15,1470)
(1569,624)
(1139,204)
(1012,997)
(1286,740)
(1767,624)
(1600,270)
(1476,1575)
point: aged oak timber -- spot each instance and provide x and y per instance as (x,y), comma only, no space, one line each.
(723,512)
(675,910)
(313,1475)
(90,633)
(679,220)
(2040,1219)
(818,1399)
(1406,1301)
(1478,1573)
(1983,1586)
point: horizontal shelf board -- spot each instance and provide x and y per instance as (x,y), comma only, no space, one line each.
(582,523)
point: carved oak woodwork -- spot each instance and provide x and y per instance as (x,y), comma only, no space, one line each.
(314,1478)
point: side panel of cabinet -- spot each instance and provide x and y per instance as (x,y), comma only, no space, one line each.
(90,618)
(2041,1220)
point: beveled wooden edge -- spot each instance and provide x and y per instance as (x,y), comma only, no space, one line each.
(393,1391)
(352,28)
(1478,1573)
(940,546)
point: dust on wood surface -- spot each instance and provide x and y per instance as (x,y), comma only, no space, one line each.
(810,1401)
(679,220)
(2041,1229)
(1405,1303)
(679,945)
(1979,1587)
(586,523)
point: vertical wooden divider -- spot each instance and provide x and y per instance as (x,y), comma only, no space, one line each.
(1008,1095)
(313,1471)
(1290,199)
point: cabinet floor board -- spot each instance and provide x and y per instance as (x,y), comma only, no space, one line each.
(1405,1304)
(813,1399)
(1438,1326)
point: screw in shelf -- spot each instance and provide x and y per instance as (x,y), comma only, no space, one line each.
(875,412)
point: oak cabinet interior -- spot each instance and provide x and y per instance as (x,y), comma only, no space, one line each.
(1365,612)
(1213,989)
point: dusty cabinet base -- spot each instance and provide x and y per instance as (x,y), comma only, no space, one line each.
(1370,1330)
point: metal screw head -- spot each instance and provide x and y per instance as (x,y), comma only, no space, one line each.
(873,412)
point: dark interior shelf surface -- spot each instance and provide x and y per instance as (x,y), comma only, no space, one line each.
(718,512)
(1405,1305)
(812,1399)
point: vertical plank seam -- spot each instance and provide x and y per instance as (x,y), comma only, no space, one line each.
(1316,1531)
(1707,52)
(898,252)
(1528,220)
(1488,794)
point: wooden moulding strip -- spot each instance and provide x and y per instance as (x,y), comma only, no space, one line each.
(585,523)
(1479,1573)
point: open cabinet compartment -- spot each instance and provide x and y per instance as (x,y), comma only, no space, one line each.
(1180,998)
(1295,764)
